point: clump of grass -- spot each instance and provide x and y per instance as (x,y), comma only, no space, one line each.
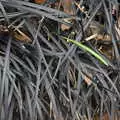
(46,79)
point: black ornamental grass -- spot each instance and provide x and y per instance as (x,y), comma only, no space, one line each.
(43,77)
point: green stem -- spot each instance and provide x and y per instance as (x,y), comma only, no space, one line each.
(88,50)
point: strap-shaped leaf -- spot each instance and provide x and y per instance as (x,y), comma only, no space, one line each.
(84,47)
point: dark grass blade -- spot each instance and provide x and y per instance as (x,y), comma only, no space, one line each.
(4,80)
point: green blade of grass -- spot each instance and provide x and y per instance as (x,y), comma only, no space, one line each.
(100,58)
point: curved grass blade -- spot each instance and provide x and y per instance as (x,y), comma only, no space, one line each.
(100,58)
